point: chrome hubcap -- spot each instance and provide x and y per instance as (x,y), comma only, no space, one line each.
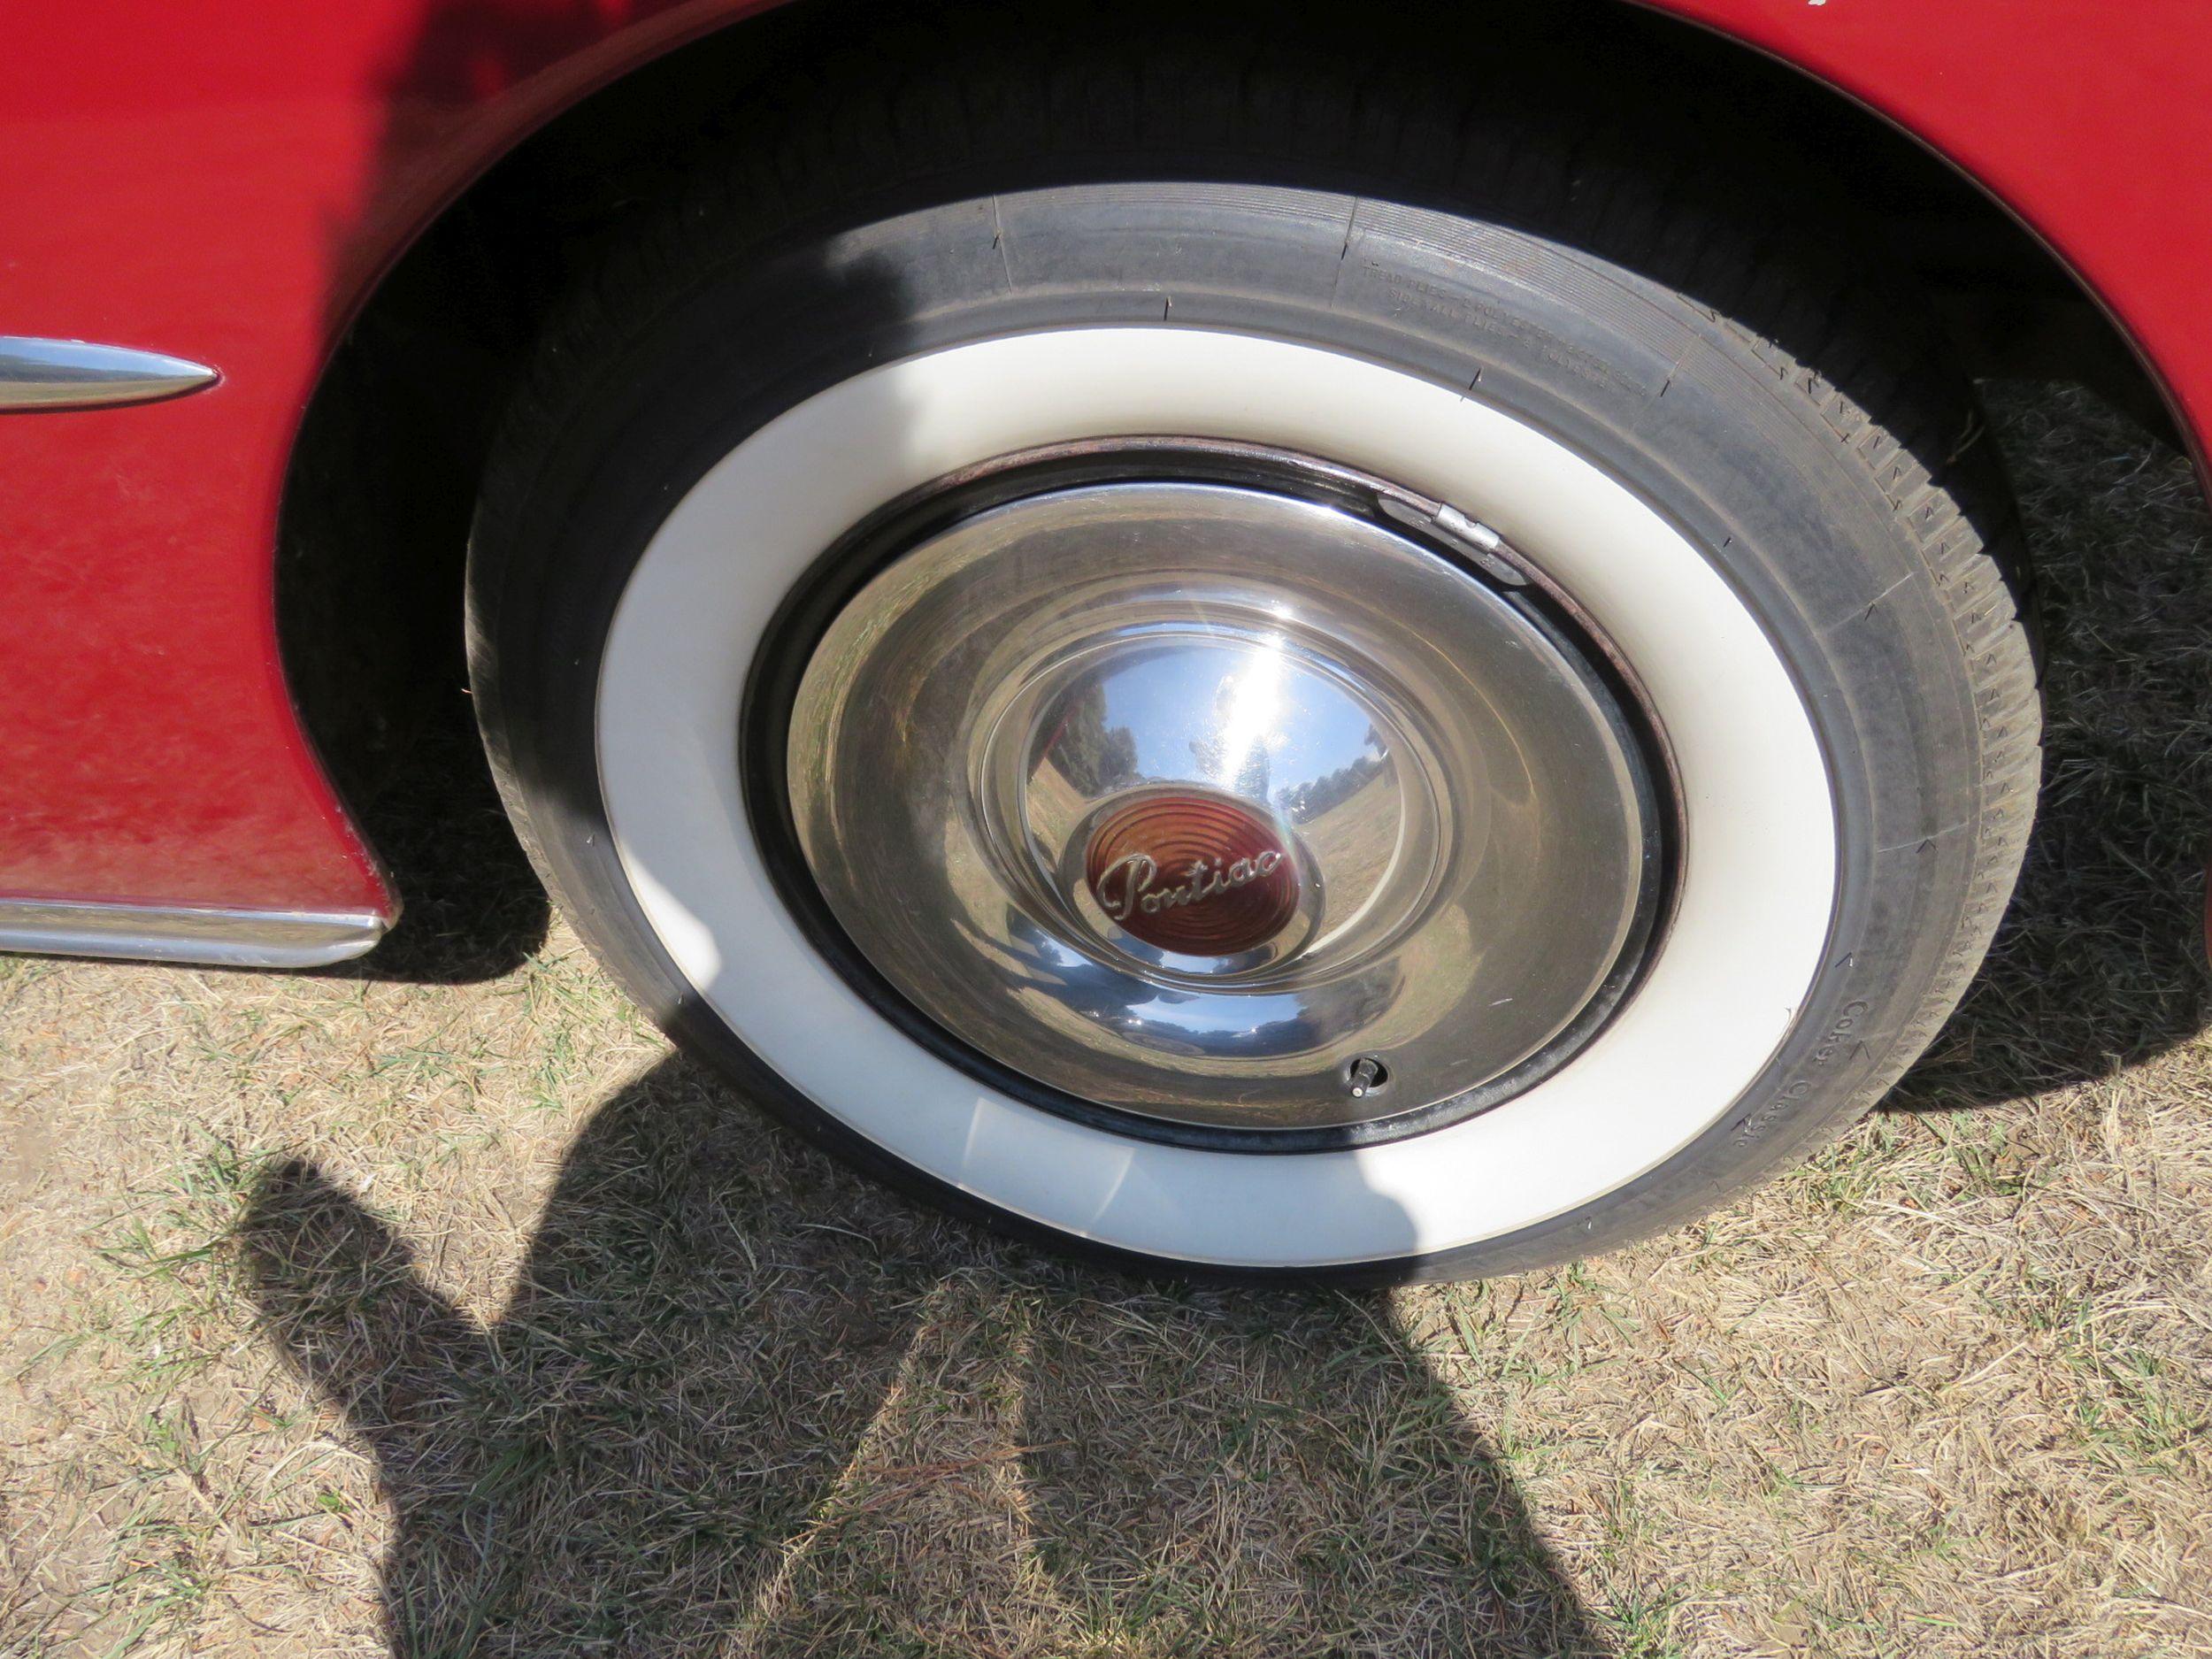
(1225,804)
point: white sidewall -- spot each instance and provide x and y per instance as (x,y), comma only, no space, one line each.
(1758,871)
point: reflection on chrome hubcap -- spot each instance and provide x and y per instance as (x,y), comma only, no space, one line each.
(1218,804)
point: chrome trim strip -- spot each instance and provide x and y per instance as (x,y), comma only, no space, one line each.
(37,373)
(165,932)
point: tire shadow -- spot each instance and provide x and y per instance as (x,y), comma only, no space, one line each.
(739,1401)
(2100,963)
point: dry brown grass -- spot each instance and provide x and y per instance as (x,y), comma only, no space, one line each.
(344,1311)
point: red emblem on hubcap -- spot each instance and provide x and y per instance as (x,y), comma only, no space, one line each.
(1198,874)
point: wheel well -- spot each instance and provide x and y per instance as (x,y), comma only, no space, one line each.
(383,481)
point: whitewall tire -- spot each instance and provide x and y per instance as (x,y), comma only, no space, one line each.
(1825,652)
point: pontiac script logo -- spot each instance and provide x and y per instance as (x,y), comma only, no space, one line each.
(1193,872)
(1138,872)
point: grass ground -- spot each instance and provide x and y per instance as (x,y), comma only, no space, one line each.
(433,1307)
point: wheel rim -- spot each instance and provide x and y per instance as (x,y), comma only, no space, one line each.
(1751,904)
(1224,804)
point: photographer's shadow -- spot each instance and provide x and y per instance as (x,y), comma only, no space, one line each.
(738,1403)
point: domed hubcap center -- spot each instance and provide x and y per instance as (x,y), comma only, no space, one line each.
(1190,800)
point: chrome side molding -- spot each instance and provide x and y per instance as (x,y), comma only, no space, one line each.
(37,373)
(162,932)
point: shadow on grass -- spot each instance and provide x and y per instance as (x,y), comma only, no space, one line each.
(708,1421)
(2100,962)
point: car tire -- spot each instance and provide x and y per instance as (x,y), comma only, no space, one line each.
(1735,467)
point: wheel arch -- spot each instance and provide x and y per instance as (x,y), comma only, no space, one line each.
(381,478)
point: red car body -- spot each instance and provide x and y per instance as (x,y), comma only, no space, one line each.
(226,181)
